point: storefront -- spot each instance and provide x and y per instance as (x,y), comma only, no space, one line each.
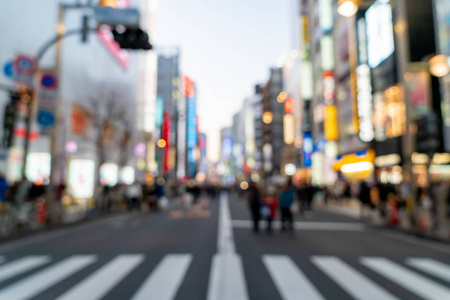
(430,170)
(357,166)
(388,160)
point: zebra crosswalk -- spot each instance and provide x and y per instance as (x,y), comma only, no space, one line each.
(31,276)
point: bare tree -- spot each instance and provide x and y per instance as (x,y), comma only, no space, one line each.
(113,109)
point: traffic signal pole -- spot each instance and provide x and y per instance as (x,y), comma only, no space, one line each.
(56,169)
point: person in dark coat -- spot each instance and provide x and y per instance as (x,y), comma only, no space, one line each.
(364,196)
(287,198)
(254,201)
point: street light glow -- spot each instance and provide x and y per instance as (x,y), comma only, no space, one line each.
(161,143)
(267,117)
(347,8)
(439,66)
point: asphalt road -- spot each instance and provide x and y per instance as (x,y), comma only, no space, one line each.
(210,252)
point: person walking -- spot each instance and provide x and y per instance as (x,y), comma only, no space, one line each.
(4,186)
(302,197)
(287,197)
(254,201)
(134,192)
(269,207)
(364,199)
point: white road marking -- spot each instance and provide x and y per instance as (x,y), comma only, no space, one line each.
(226,279)
(39,282)
(409,280)
(102,281)
(320,226)
(22,265)
(225,240)
(290,281)
(430,266)
(164,282)
(352,281)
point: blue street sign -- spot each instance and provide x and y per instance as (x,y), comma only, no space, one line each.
(49,81)
(8,69)
(46,118)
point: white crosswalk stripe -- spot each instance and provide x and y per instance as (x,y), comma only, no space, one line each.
(164,281)
(22,265)
(290,281)
(409,280)
(430,266)
(99,284)
(352,281)
(39,282)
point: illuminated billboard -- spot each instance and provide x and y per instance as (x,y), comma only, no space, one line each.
(191,134)
(308,148)
(109,174)
(380,33)
(227,147)
(38,167)
(81,177)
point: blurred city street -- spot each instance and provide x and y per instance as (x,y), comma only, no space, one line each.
(225,150)
(170,255)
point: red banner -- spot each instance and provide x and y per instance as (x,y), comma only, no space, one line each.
(166,137)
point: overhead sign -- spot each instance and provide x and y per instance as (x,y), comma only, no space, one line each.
(105,35)
(111,16)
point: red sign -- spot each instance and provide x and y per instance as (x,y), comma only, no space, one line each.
(289,105)
(188,87)
(25,65)
(105,35)
(20,132)
(166,137)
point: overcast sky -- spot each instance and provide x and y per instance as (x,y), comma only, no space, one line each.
(227,46)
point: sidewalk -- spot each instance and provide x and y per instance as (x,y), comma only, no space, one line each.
(352,208)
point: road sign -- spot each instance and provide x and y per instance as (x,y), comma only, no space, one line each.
(110,16)
(45,118)
(47,92)
(25,65)
(8,69)
(49,81)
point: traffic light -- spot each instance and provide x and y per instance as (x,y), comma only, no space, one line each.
(9,120)
(132,38)
(107,3)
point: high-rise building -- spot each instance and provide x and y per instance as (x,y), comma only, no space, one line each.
(273,113)
(168,95)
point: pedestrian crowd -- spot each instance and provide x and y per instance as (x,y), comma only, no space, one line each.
(265,202)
